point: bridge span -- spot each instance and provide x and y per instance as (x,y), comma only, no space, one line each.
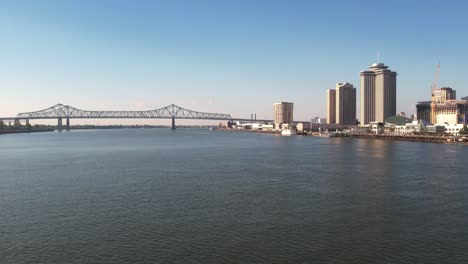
(65,112)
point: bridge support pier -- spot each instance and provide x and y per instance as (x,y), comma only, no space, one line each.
(173,123)
(59,125)
(68,124)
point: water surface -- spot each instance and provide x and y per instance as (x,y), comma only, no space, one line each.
(199,196)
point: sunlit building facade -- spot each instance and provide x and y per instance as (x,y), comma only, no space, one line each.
(283,112)
(345,104)
(378,94)
(331,106)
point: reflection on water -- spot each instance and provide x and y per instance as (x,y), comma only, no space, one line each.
(198,196)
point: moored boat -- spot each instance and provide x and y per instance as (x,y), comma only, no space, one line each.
(286,132)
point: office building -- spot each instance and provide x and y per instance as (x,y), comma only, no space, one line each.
(331,106)
(423,111)
(345,104)
(341,104)
(378,94)
(283,112)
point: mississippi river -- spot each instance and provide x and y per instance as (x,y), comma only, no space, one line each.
(199,196)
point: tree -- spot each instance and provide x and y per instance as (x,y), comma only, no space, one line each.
(464,130)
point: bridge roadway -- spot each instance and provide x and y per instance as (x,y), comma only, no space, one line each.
(172,112)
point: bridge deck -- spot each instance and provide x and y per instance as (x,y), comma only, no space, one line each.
(172,111)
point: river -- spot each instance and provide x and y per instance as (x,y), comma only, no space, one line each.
(200,196)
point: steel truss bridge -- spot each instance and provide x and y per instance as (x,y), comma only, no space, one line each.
(172,112)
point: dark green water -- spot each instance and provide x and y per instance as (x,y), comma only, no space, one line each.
(198,196)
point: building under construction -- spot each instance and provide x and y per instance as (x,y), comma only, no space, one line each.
(443,108)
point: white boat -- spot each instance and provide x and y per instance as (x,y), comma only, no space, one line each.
(286,132)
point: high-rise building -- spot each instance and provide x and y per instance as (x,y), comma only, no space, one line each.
(378,94)
(283,112)
(450,112)
(443,94)
(341,104)
(440,97)
(331,106)
(423,111)
(345,104)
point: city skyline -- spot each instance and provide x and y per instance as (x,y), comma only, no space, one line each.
(209,57)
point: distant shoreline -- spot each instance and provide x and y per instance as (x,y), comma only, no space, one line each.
(6,132)
(85,127)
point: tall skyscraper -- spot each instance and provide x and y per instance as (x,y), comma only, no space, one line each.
(331,106)
(345,104)
(341,104)
(283,112)
(378,93)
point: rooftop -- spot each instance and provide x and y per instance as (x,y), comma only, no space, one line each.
(378,66)
(398,120)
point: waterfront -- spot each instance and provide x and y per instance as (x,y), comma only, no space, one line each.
(199,196)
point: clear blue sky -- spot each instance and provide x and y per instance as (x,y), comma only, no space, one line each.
(236,57)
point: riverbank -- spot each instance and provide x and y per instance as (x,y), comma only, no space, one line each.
(413,138)
(251,131)
(4,132)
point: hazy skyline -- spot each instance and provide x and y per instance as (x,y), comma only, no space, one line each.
(236,57)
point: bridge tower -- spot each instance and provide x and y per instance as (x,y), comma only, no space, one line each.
(68,124)
(173,123)
(59,125)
